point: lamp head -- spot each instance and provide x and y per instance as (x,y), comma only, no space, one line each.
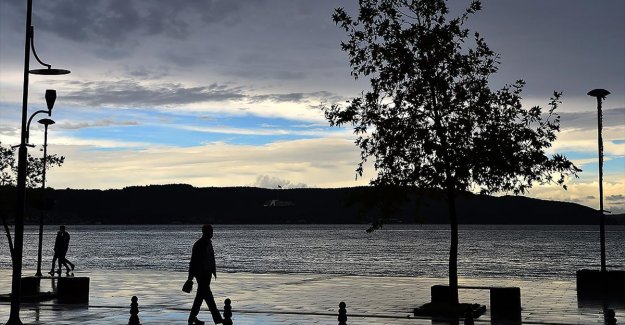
(599,93)
(46,121)
(50,98)
(49,72)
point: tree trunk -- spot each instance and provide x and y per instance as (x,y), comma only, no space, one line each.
(8,233)
(450,186)
(453,249)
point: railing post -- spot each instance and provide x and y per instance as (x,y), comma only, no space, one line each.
(134,312)
(227,312)
(342,314)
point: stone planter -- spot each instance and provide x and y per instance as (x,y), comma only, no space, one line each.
(73,290)
(596,287)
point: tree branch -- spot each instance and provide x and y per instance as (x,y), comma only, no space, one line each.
(8,233)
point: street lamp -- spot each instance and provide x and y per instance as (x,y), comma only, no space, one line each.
(600,94)
(16,279)
(46,122)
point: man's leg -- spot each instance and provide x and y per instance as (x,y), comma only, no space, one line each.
(197,303)
(210,301)
(70,263)
(53,262)
(66,261)
(207,294)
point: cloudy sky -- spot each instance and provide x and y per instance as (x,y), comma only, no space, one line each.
(226,93)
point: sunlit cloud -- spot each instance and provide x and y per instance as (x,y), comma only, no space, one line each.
(315,162)
(586,192)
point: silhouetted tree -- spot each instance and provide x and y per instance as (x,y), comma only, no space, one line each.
(430,119)
(8,181)
(34,173)
(7,164)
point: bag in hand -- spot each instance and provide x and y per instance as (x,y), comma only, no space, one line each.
(187,286)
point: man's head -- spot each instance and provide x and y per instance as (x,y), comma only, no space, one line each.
(207,230)
(62,228)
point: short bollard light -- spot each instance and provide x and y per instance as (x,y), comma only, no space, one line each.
(227,312)
(609,317)
(342,314)
(134,312)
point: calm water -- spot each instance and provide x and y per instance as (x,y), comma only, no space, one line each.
(416,250)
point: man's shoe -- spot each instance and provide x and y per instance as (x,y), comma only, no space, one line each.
(51,273)
(195,321)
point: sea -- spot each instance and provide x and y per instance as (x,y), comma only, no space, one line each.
(510,251)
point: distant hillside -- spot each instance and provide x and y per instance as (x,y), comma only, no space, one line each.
(166,204)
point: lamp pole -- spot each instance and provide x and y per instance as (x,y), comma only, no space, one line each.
(14,316)
(600,94)
(16,279)
(46,122)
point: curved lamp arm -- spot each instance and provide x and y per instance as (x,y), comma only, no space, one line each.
(31,31)
(49,112)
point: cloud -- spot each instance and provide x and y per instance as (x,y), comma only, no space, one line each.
(296,97)
(583,191)
(69,125)
(91,144)
(266,181)
(585,140)
(117,23)
(130,93)
(616,198)
(267,131)
(613,117)
(314,162)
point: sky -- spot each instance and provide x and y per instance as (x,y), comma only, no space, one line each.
(227,93)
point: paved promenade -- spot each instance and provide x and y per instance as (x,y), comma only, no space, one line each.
(292,299)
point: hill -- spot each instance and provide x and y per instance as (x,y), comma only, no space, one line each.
(167,204)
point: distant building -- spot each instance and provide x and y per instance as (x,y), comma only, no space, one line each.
(278,203)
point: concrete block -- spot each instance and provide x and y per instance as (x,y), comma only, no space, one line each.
(505,303)
(73,290)
(597,285)
(30,285)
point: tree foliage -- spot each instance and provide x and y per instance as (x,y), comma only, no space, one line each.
(34,172)
(430,119)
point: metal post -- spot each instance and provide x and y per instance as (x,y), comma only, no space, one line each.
(16,279)
(43,188)
(601,214)
(600,94)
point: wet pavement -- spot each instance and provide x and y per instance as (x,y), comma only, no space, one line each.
(292,299)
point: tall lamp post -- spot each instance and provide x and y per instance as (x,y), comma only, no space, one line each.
(46,122)
(14,316)
(600,94)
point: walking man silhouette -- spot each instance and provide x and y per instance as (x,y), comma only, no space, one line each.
(61,245)
(202,267)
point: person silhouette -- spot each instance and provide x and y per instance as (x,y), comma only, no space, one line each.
(202,267)
(61,245)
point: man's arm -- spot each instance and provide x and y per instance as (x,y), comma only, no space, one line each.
(192,262)
(214,264)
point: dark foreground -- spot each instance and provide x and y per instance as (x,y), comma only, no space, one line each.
(293,299)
